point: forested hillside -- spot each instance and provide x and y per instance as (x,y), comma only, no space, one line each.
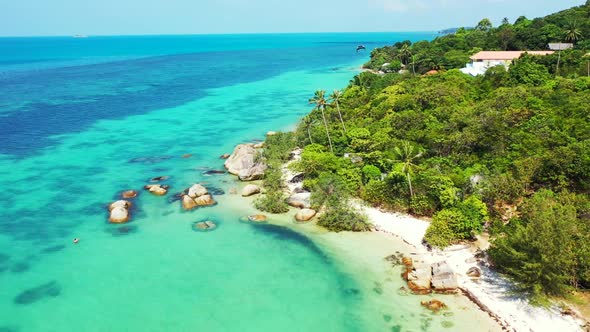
(507,152)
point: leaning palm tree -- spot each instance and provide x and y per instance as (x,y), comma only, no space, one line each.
(406,155)
(572,33)
(335,98)
(319,100)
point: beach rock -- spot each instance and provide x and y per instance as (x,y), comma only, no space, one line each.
(205,200)
(419,279)
(440,268)
(120,204)
(434,305)
(250,190)
(445,283)
(254,173)
(187,155)
(213,172)
(258,145)
(305,215)
(297,178)
(300,200)
(242,162)
(474,272)
(224,156)
(197,190)
(157,189)
(257,218)
(407,261)
(119,215)
(129,194)
(188,203)
(271,133)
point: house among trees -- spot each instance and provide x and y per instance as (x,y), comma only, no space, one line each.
(560,46)
(482,61)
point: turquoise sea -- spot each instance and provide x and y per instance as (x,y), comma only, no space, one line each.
(82,119)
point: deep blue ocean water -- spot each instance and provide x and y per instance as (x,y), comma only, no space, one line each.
(82,119)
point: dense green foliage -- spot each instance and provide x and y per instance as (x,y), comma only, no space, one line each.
(468,151)
(453,50)
(276,152)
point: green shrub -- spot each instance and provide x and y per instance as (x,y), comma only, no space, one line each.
(439,234)
(371,172)
(342,218)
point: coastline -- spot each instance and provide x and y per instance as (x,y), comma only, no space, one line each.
(491,292)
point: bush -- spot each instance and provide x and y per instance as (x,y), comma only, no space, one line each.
(371,172)
(439,234)
(342,218)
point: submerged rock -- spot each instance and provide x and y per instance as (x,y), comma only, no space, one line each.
(305,215)
(250,190)
(129,194)
(433,305)
(204,226)
(31,295)
(159,178)
(157,189)
(257,218)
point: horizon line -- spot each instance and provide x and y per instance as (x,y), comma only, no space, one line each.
(214,33)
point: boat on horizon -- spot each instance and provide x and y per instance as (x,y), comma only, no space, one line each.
(80,36)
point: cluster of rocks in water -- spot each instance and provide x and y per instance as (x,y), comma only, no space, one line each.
(424,278)
(196,196)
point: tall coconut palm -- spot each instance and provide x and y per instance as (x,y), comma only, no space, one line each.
(572,33)
(405,53)
(335,98)
(406,155)
(319,99)
(307,122)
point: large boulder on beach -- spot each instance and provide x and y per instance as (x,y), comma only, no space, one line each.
(197,190)
(445,283)
(474,272)
(305,215)
(250,190)
(300,200)
(243,163)
(419,279)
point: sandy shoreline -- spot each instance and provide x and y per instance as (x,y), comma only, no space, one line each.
(491,292)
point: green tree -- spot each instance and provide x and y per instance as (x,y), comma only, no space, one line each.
(307,122)
(572,32)
(405,54)
(320,101)
(406,155)
(484,25)
(335,98)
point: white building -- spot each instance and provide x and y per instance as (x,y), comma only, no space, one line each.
(484,60)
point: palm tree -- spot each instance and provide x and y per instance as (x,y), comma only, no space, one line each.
(319,100)
(505,21)
(335,97)
(307,121)
(406,156)
(572,33)
(405,53)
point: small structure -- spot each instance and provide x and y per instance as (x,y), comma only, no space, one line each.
(484,60)
(560,46)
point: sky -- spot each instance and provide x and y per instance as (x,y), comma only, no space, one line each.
(124,17)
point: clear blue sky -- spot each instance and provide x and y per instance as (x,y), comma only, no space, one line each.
(113,17)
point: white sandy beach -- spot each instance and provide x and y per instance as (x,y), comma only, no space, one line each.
(491,290)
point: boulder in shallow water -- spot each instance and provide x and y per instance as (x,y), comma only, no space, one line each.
(250,190)
(204,226)
(197,190)
(157,189)
(256,172)
(224,156)
(119,215)
(445,283)
(129,194)
(257,218)
(244,163)
(205,200)
(419,279)
(120,204)
(187,155)
(188,203)
(159,178)
(305,215)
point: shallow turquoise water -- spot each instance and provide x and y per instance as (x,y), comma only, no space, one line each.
(74,136)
